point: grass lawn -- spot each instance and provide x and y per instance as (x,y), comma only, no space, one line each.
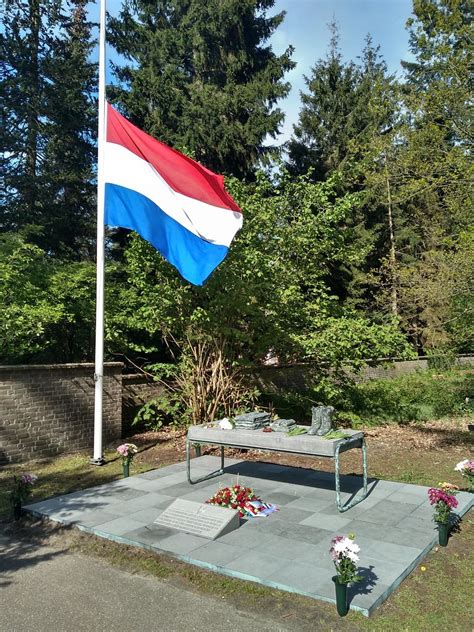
(436,596)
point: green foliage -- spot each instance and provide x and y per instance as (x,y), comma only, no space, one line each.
(164,410)
(371,245)
(406,148)
(47,307)
(28,317)
(432,177)
(338,116)
(270,293)
(418,397)
(412,398)
(47,136)
(207,75)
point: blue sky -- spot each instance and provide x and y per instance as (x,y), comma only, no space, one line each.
(306,28)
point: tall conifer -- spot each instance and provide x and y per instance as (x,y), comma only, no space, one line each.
(48,124)
(202,77)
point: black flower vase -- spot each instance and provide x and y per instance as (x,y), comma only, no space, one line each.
(341,597)
(17,510)
(126,469)
(443,533)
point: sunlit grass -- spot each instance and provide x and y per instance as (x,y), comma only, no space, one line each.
(63,474)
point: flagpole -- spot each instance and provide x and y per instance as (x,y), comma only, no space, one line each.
(97,458)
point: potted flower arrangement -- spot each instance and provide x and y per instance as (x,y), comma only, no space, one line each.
(127,451)
(344,552)
(444,500)
(22,489)
(466,468)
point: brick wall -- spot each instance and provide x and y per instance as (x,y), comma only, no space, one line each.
(48,409)
(300,377)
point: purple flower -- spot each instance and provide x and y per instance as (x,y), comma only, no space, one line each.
(438,495)
(28,479)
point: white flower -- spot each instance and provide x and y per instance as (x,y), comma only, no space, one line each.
(352,556)
(346,547)
(462,465)
(224,424)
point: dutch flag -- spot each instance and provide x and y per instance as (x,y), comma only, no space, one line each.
(173,202)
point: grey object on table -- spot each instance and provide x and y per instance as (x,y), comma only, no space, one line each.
(252,421)
(321,420)
(282,425)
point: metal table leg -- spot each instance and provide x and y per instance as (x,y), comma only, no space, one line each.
(359,497)
(188,463)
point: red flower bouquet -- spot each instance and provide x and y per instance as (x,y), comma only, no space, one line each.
(235,497)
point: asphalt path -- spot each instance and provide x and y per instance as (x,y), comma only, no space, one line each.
(46,589)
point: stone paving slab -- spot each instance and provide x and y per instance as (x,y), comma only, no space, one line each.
(289,549)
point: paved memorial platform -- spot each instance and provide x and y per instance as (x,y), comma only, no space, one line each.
(289,549)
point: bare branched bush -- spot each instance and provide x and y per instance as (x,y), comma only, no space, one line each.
(211,385)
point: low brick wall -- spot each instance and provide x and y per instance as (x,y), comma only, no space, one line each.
(48,409)
(300,377)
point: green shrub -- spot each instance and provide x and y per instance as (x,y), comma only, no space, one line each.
(417,397)
(166,409)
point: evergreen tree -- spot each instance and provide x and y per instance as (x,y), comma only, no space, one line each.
(326,120)
(70,152)
(349,108)
(47,128)
(202,77)
(431,174)
(28,31)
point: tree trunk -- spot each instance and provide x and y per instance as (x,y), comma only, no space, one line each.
(392,255)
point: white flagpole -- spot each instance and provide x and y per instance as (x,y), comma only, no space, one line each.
(97,458)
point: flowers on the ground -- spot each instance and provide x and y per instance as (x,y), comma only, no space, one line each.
(444,500)
(22,487)
(344,552)
(127,451)
(235,497)
(466,469)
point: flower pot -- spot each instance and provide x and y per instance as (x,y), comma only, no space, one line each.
(17,510)
(443,532)
(341,597)
(126,469)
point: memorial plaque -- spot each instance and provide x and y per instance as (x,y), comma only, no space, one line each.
(207,521)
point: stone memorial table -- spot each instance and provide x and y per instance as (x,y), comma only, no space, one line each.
(304,445)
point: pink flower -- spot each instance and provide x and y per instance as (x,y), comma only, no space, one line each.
(438,495)
(28,479)
(344,553)
(466,467)
(127,450)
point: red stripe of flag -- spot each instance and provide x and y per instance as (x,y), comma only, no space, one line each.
(184,175)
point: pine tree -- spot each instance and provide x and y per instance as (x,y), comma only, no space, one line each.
(47,135)
(202,77)
(70,152)
(28,31)
(348,118)
(432,177)
(326,120)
